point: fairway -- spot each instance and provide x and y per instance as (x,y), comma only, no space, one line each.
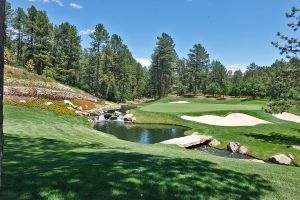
(196,107)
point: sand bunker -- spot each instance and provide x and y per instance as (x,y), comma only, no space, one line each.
(233,119)
(180,102)
(288,117)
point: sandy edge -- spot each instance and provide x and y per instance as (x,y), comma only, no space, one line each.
(288,117)
(180,102)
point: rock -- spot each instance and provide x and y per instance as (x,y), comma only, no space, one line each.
(233,146)
(69,103)
(48,103)
(113,117)
(22,101)
(281,159)
(80,108)
(291,156)
(70,108)
(107,116)
(128,112)
(81,113)
(117,113)
(189,141)
(134,119)
(243,150)
(296,147)
(214,143)
(128,117)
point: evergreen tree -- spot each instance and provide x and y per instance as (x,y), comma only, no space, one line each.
(237,81)
(219,76)
(99,38)
(19,27)
(163,64)
(198,63)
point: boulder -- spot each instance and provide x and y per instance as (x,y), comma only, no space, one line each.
(281,159)
(134,119)
(69,103)
(48,103)
(70,108)
(81,113)
(80,108)
(117,113)
(233,146)
(22,101)
(107,116)
(291,156)
(128,112)
(214,143)
(243,150)
(189,141)
(128,117)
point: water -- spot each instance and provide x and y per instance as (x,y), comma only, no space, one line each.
(140,133)
(222,153)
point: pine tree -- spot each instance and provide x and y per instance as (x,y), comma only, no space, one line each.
(162,69)
(99,37)
(198,63)
(19,27)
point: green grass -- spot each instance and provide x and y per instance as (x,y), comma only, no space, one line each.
(202,105)
(54,156)
(263,141)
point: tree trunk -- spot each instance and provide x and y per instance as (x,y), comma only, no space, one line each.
(2,36)
(97,75)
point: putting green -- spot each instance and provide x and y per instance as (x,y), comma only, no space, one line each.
(196,107)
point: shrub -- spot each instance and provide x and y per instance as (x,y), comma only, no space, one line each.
(30,65)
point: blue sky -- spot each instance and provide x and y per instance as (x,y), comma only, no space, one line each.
(235,32)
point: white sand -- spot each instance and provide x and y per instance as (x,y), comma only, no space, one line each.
(180,102)
(233,119)
(288,117)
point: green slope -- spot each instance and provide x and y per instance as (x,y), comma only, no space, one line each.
(54,156)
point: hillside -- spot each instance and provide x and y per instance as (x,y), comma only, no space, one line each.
(29,89)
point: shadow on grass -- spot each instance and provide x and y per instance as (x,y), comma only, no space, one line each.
(276,138)
(50,169)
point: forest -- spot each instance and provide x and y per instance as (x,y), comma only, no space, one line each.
(108,69)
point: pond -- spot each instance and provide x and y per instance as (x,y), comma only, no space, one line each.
(222,153)
(140,133)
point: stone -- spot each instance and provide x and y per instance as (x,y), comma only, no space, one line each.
(291,156)
(233,146)
(243,150)
(117,113)
(22,101)
(214,143)
(134,119)
(70,108)
(128,117)
(48,103)
(296,147)
(281,159)
(81,113)
(80,108)
(189,141)
(69,103)
(128,112)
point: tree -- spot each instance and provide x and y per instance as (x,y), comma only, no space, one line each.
(214,88)
(219,76)
(19,26)
(198,63)
(66,54)
(292,48)
(2,41)
(99,37)
(163,65)
(8,22)
(237,82)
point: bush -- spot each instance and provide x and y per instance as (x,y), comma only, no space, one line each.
(30,65)
(49,72)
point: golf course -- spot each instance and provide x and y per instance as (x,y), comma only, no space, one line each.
(56,156)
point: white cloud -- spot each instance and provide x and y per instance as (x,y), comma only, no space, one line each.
(58,2)
(144,61)
(75,5)
(86,32)
(236,67)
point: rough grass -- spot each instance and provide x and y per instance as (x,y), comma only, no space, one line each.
(54,156)
(263,141)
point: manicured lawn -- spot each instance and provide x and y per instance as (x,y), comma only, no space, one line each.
(54,156)
(201,105)
(263,141)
